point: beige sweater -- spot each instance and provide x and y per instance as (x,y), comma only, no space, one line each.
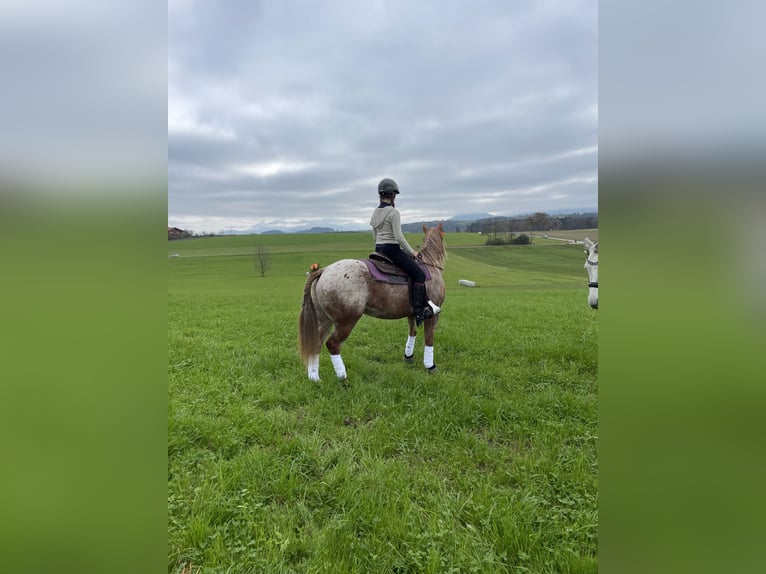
(387,228)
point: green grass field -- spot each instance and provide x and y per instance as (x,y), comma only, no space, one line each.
(489,466)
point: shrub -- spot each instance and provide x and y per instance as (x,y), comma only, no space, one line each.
(522,239)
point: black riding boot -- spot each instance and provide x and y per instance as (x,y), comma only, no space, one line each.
(420,305)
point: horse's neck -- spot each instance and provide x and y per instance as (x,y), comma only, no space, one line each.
(431,260)
(436,272)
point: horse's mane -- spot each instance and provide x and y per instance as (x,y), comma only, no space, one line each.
(433,251)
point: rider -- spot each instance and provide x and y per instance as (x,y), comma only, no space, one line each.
(389,241)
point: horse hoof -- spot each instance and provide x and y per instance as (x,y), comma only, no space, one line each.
(432,370)
(409,360)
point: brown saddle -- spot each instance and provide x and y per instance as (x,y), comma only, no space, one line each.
(385,265)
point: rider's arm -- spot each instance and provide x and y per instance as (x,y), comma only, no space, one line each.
(396,226)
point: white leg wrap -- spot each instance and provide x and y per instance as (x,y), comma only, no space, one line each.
(314,367)
(409,348)
(428,357)
(340,368)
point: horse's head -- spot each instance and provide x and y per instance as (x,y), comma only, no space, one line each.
(591,266)
(433,250)
(437,231)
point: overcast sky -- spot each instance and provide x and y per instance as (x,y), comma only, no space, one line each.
(287,113)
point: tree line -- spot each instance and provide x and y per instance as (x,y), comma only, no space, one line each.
(539,221)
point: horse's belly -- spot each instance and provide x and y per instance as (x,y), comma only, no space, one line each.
(388,301)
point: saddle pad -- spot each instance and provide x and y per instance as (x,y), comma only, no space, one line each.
(385,276)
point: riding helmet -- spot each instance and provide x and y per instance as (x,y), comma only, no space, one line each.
(387,186)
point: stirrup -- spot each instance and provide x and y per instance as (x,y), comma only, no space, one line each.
(426,314)
(434,307)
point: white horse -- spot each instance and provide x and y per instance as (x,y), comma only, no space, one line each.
(591,266)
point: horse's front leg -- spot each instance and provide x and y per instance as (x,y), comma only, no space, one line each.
(428,351)
(409,348)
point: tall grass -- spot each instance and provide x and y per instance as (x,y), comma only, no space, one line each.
(489,466)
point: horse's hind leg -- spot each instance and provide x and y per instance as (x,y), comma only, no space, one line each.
(325,324)
(313,368)
(334,343)
(409,348)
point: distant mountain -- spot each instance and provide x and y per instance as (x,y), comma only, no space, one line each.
(470,217)
(581,210)
(318,230)
(272,232)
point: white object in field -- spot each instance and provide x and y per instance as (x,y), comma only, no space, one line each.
(467,283)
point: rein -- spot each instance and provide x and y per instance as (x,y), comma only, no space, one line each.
(430,264)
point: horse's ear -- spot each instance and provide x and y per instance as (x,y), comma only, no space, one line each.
(425,228)
(440,227)
(587,242)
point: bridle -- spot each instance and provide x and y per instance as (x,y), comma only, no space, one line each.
(592,264)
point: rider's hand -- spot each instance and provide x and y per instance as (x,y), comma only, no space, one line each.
(415,254)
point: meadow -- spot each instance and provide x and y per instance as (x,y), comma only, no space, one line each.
(488,466)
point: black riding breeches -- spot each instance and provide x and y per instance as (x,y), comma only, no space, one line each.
(405,262)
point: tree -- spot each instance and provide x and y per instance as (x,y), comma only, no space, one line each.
(539,221)
(491,227)
(262,259)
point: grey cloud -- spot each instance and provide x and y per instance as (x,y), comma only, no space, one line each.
(464,103)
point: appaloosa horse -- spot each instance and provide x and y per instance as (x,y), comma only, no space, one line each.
(339,294)
(591,266)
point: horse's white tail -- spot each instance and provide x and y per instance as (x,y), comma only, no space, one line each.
(309,341)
